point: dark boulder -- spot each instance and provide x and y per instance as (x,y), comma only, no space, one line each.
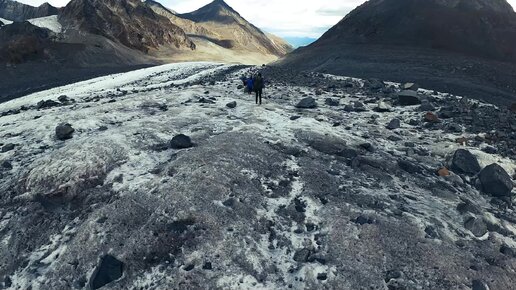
(332,102)
(410,167)
(427,107)
(307,103)
(63,99)
(408,98)
(181,141)
(302,255)
(496,181)
(464,162)
(64,131)
(109,270)
(7,165)
(231,105)
(45,104)
(394,124)
(7,147)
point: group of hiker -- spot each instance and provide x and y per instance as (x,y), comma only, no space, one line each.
(254,84)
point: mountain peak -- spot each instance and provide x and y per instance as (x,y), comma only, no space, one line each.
(216,11)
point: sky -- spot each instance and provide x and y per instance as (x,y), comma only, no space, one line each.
(285,18)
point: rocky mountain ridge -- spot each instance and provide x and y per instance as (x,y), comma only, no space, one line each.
(15,11)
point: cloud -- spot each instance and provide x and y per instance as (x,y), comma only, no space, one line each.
(299,18)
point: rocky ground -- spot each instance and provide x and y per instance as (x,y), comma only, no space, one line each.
(172,178)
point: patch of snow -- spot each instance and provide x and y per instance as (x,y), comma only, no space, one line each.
(5,21)
(50,22)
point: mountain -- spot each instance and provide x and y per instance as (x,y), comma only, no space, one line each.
(188,26)
(228,27)
(139,181)
(15,11)
(483,28)
(461,46)
(129,22)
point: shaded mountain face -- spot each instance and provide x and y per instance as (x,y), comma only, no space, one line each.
(464,47)
(129,22)
(22,41)
(483,28)
(227,26)
(15,11)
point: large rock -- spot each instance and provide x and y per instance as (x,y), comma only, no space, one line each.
(410,86)
(496,181)
(109,270)
(307,103)
(231,105)
(332,102)
(408,98)
(464,162)
(383,107)
(394,124)
(7,147)
(181,141)
(64,131)
(476,226)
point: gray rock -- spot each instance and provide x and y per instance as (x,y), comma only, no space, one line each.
(374,84)
(496,181)
(408,98)
(307,103)
(410,86)
(476,226)
(181,141)
(7,165)
(427,107)
(45,104)
(359,107)
(231,105)
(410,167)
(383,107)
(63,99)
(464,162)
(64,131)
(394,124)
(7,147)
(302,255)
(490,150)
(332,102)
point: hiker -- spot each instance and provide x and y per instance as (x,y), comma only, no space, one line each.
(258,87)
(250,85)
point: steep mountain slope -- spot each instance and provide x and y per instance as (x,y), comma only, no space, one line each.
(484,28)
(16,11)
(144,181)
(460,46)
(228,27)
(189,26)
(129,22)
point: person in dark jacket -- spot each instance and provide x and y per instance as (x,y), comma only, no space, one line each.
(258,87)
(250,85)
